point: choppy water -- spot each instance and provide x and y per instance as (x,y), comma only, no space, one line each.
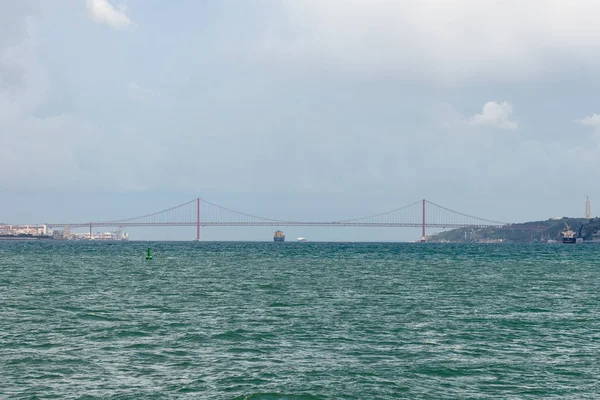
(299,321)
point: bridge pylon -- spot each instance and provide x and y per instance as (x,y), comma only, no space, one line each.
(423,223)
(198,219)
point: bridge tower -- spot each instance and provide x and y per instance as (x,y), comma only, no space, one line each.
(423,223)
(198,220)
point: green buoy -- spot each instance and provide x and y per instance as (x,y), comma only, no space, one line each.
(149,256)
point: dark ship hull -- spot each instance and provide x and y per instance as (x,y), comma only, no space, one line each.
(25,236)
(569,240)
(279,237)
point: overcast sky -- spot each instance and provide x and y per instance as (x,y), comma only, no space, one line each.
(292,109)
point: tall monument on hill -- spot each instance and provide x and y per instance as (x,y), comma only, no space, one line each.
(588,213)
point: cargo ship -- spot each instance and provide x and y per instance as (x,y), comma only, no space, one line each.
(279,236)
(568,235)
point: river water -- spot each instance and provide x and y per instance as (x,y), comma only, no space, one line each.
(298,321)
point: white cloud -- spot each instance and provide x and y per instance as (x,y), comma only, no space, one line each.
(497,115)
(593,120)
(447,39)
(104,12)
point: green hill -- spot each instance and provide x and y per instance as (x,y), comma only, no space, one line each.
(535,231)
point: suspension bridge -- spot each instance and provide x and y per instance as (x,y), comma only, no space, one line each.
(201,213)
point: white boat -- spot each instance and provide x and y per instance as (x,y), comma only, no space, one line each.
(301,239)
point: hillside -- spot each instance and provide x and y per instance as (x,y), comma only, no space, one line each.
(535,231)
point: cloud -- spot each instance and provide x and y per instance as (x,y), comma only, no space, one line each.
(89,161)
(23,81)
(497,115)
(593,120)
(104,12)
(36,144)
(447,39)
(13,23)
(346,135)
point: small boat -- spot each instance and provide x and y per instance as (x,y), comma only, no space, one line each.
(569,235)
(301,239)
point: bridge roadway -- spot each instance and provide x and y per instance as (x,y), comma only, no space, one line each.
(200,213)
(274,224)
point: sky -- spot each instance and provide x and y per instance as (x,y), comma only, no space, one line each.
(317,109)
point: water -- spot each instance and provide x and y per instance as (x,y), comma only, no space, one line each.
(298,321)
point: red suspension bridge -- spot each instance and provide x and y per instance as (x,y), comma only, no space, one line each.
(202,213)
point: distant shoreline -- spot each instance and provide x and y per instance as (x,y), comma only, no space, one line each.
(24,238)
